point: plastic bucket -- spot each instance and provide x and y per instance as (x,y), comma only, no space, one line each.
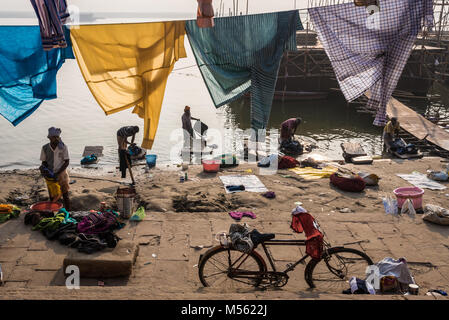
(211,165)
(413,193)
(125,201)
(46,206)
(151,160)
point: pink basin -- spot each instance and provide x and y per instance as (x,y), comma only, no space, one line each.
(413,193)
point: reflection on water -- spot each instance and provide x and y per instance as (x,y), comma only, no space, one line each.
(330,122)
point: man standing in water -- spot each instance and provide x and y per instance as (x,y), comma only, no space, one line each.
(55,158)
(391,132)
(122,140)
(187,126)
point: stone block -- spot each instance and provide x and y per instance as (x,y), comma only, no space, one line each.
(109,263)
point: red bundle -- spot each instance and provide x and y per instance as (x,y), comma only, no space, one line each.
(351,184)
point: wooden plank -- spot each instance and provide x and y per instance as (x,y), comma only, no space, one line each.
(96,150)
(353,149)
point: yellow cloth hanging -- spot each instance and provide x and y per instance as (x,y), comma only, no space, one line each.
(313,174)
(127,65)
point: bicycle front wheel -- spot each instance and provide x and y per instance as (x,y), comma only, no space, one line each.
(337,266)
(231,269)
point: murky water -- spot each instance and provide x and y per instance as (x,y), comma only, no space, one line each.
(330,122)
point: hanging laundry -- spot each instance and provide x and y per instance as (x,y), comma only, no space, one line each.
(52,14)
(27,72)
(127,65)
(244,53)
(369,52)
(205,14)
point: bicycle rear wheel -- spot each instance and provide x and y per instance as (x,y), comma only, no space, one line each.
(337,266)
(225,269)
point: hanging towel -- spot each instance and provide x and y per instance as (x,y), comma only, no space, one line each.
(370,51)
(51,14)
(127,65)
(27,72)
(243,53)
(205,14)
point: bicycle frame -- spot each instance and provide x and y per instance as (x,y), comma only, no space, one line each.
(283,243)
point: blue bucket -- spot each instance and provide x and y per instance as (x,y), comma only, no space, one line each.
(151,160)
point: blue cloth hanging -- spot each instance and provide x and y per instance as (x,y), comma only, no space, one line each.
(27,72)
(243,53)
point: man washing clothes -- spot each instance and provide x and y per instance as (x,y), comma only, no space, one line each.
(288,129)
(391,133)
(187,126)
(55,160)
(122,139)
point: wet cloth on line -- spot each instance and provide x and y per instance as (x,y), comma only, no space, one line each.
(243,53)
(369,52)
(27,72)
(52,14)
(314,174)
(250,182)
(127,65)
(421,181)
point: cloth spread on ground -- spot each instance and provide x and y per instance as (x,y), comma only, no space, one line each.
(359,286)
(369,52)
(52,14)
(27,72)
(243,53)
(314,174)
(250,182)
(8,211)
(128,65)
(396,268)
(421,181)
(239,215)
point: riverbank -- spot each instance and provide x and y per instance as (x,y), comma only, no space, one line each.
(175,235)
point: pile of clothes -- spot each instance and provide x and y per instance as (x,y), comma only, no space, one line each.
(387,276)
(8,211)
(88,231)
(292,147)
(401,148)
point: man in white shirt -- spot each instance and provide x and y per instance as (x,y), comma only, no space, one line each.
(55,157)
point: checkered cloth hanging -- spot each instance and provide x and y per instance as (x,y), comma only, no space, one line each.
(369,52)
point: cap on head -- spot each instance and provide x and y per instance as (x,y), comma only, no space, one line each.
(54,132)
(187,108)
(298,120)
(394,119)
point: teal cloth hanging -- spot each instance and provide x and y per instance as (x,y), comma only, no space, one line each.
(243,53)
(27,72)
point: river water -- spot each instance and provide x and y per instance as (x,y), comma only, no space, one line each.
(330,122)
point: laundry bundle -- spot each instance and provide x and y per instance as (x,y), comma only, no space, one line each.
(369,52)
(8,211)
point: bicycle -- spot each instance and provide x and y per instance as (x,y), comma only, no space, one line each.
(333,270)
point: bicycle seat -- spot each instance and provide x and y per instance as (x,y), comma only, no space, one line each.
(257,237)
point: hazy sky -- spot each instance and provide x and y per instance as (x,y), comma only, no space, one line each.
(159,5)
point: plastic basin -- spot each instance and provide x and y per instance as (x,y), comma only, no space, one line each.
(211,165)
(151,160)
(46,206)
(413,193)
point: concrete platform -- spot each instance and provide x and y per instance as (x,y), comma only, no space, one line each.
(109,263)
